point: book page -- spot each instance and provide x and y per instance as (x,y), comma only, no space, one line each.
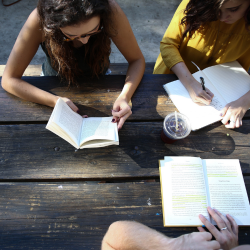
(199,115)
(68,121)
(183,191)
(100,128)
(227,189)
(230,80)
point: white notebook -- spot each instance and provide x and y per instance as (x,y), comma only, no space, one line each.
(228,82)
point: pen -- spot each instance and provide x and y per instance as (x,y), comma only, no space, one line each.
(203,83)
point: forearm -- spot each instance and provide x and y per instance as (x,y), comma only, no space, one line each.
(184,75)
(128,235)
(133,77)
(28,92)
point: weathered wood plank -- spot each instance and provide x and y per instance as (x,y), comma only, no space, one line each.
(28,152)
(66,216)
(116,68)
(94,98)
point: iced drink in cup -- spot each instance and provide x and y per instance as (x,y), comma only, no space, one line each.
(173,131)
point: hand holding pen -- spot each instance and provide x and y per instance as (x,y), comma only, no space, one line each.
(203,83)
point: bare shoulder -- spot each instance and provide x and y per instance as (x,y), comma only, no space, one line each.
(117,11)
(33,26)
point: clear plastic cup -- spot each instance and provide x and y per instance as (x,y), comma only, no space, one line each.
(170,132)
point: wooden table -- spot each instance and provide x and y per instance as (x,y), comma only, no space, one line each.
(51,196)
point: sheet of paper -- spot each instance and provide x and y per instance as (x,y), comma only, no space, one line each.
(199,115)
(230,79)
(68,120)
(98,128)
(183,191)
(227,189)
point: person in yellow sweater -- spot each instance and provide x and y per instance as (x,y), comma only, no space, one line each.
(207,33)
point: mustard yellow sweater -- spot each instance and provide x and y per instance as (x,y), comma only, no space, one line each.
(205,47)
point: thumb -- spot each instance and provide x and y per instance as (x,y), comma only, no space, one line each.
(224,110)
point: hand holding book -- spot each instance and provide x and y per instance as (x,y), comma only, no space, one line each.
(228,234)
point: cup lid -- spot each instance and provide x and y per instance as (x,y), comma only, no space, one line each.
(179,131)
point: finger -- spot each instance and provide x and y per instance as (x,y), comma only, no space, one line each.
(219,221)
(201,229)
(122,112)
(227,222)
(206,96)
(227,117)
(214,244)
(202,100)
(209,93)
(237,122)
(72,106)
(206,235)
(85,116)
(224,111)
(231,124)
(115,119)
(123,119)
(235,227)
(212,229)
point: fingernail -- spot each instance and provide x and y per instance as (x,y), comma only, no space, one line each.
(113,120)
(220,114)
(203,226)
(118,129)
(78,111)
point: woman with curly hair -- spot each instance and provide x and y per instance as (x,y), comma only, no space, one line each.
(76,37)
(207,32)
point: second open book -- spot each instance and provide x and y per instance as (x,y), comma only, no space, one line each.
(228,82)
(92,132)
(189,185)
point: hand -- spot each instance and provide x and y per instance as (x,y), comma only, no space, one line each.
(199,95)
(233,112)
(194,241)
(72,106)
(121,111)
(227,238)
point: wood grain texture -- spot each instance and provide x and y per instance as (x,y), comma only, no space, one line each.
(76,216)
(94,97)
(32,152)
(116,68)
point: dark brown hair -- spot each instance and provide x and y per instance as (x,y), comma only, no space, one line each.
(56,14)
(200,12)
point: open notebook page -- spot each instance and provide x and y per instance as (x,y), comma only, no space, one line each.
(230,79)
(227,191)
(183,191)
(199,115)
(100,128)
(70,123)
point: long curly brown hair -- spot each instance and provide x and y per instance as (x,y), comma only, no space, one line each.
(198,13)
(56,14)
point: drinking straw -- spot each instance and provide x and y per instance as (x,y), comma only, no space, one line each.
(176,121)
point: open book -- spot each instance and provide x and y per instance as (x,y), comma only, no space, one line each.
(189,185)
(91,132)
(228,82)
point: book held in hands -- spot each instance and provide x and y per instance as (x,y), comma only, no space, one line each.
(228,82)
(91,132)
(189,185)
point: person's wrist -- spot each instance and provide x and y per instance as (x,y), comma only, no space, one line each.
(123,97)
(175,243)
(55,98)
